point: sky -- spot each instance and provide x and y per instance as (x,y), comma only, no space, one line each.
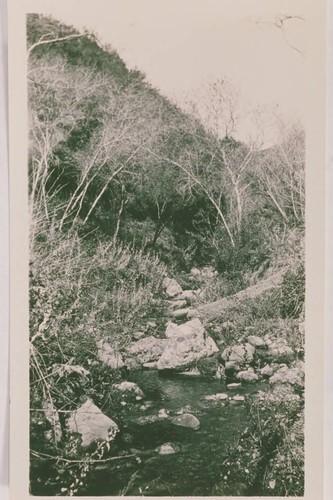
(180,45)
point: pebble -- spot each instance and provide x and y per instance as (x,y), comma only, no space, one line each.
(238,397)
(163,413)
(217,397)
(138,335)
(168,449)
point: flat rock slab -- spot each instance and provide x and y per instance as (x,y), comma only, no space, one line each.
(217,309)
(89,421)
(186,420)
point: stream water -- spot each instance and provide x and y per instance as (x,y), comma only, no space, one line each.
(196,468)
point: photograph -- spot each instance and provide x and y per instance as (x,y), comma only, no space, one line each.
(166,175)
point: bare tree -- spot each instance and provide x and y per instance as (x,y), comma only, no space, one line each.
(280,174)
(190,165)
(57,95)
(216,105)
(219,111)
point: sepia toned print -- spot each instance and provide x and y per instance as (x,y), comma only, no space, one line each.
(167,214)
(166,283)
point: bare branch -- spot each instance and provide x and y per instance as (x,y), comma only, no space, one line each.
(38,454)
(54,40)
(204,188)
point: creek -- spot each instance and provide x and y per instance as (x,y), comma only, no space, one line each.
(196,467)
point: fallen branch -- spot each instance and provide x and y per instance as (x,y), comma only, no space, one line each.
(38,454)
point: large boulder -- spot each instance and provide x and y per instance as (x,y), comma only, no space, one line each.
(147,349)
(89,421)
(239,354)
(247,376)
(172,288)
(256,341)
(186,344)
(109,355)
(171,329)
(277,351)
(293,375)
(186,420)
(269,369)
(193,313)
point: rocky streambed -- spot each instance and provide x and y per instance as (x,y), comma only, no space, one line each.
(178,442)
(184,405)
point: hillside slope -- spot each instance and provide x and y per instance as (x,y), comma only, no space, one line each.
(124,190)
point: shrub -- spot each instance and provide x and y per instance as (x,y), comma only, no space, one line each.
(293,293)
(268,459)
(79,293)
